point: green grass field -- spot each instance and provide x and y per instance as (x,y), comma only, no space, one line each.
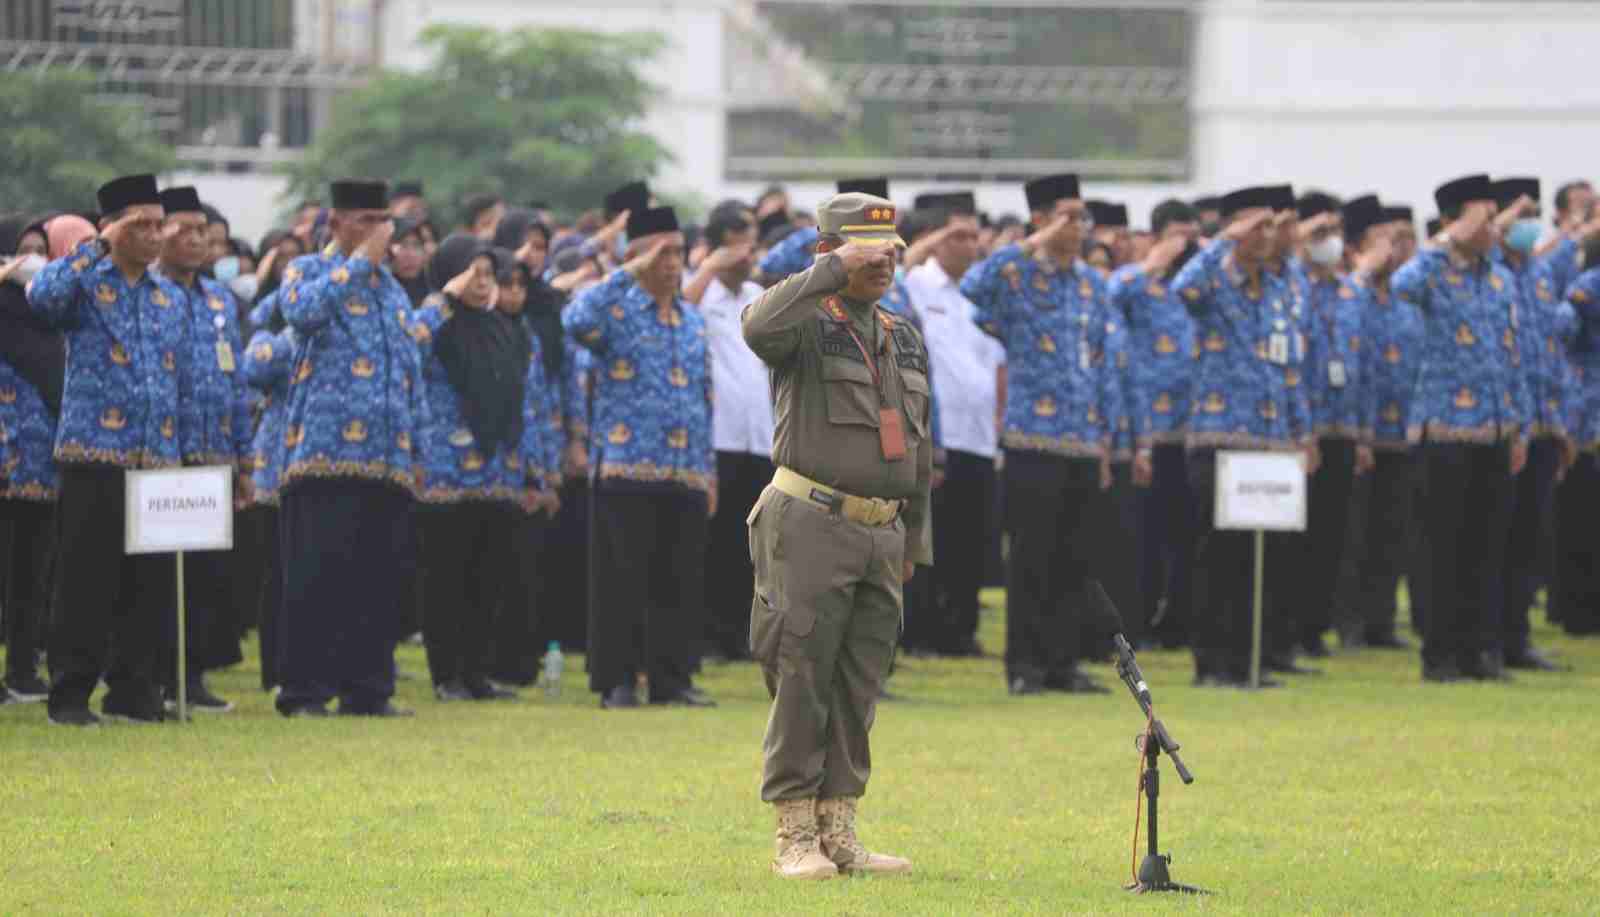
(1362,791)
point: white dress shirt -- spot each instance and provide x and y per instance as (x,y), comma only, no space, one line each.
(964,360)
(741,416)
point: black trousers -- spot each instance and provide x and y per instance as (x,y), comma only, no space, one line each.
(648,587)
(518,603)
(1308,605)
(250,550)
(1576,592)
(27,548)
(1419,560)
(469,564)
(1389,526)
(211,632)
(962,510)
(1117,565)
(1052,510)
(269,596)
(1533,508)
(730,578)
(565,616)
(1468,515)
(345,569)
(111,608)
(1223,609)
(1166,553)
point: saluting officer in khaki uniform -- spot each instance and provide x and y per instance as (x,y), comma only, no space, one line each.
(838,531)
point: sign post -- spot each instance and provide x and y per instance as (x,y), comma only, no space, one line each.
(1260,492)
(173,510)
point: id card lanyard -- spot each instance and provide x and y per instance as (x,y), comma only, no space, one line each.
(891,435)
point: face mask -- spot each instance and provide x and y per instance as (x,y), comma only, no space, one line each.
(1523,235)
(1326,252)
(244,286)
(29,266)
(225,269)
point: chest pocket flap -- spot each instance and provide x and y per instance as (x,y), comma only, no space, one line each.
(917,398)
(852,396)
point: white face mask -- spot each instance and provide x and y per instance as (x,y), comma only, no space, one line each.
(29,266)
(1326,252)
(245,287)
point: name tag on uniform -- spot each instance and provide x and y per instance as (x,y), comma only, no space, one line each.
(1083,356)
(1336,376)
(1278,349)
(891,435)
(225,356)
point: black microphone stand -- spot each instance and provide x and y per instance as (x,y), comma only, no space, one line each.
(1153,873)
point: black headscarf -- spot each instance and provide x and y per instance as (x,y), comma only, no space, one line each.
(484,352)
(542,314)
(37,351)
(417,288)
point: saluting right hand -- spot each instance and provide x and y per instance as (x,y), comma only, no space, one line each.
(1163,253)
(859,257)
(721,259)
(648,261)
(1375,257)
(1238,229)
(377,244)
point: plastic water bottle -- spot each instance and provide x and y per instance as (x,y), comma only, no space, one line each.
(553,664)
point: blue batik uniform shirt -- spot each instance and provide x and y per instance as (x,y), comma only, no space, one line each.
(1161,352)
(652,399)
(1545,323)
(1249,377)
(1063,390)
(268,362)
(1336,346)
(214,412)
(1472,388)
(793,254)
(124,341)
(1392,360)
(1583,413)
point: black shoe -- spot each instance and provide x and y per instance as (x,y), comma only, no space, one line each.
(488,690)
(305,711)
(622,697)
(688,697)
(1023,686)
(1315,648)
(387,711)
(125,711)
(28,689)
(1390,641)
(1443,672)
(1284,664)
(1531,659)
(74,716)
(1488,665)
(451,691)
(200,700)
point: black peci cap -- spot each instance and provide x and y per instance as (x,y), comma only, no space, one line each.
(876,186)
(1245,199)
(1208,202)
(1434,225)
(359,194)
(1507,190)
(957,203)
(408,189)
(182,199)
(1282,197)
(1453,194)
(1398,214)
(634,196)
(650,220)
(1360,215)
(1042,193)
(127,191)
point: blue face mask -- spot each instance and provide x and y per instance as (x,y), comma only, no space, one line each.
(1523,235)
(225,269)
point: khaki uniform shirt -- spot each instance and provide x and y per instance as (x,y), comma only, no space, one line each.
(826,403)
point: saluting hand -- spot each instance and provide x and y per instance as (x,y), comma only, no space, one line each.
(1238,229)
(862,257)
(1377,254)
(1163,253)
(1523,206)
(1309,228)
(1047,237)
(647,262)
(725,257)
(377,244)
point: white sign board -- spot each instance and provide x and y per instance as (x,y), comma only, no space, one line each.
(1261,490)
(180,509)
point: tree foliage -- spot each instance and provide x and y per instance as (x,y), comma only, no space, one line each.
(549,114)
(60,142)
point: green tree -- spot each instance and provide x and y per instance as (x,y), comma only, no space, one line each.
(60,142)
(551,114)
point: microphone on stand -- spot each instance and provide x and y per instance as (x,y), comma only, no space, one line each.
(1105,612)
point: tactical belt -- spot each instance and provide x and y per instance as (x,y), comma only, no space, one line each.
(865,510)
